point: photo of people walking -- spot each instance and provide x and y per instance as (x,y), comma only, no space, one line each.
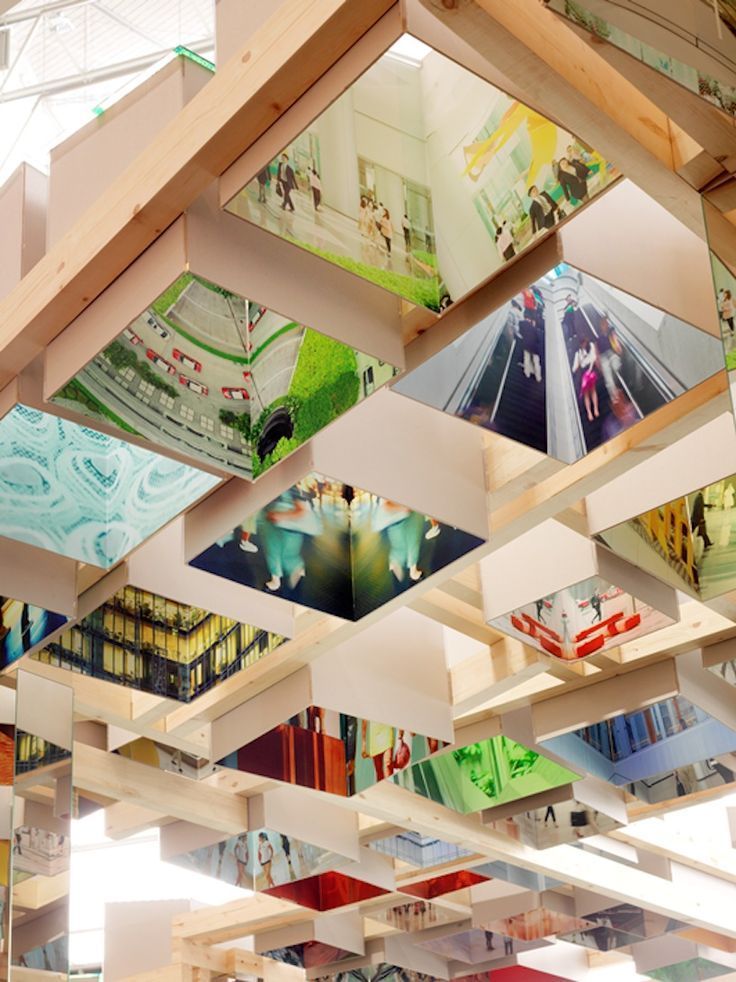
(362,187)
(328,545)
(565,365)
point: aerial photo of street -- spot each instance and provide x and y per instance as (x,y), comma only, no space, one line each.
(221,379)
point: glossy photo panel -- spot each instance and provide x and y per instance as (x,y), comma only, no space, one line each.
(692,970)
(40,856)
(665,750)
(565,365)
(481,775)
(423,178)
(621,925)
(85,495)
(334,547)
(438,886)
(419,850)
(22,627)
(331,751)
(724,283)
(688,542)
(221,379)
(328,891)
(308,954)
(551,825)
(148,642)
(536,924)
(259,860)
(581,620)
(477,946)
(415,915)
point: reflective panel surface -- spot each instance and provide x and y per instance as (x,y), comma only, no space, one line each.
(484,774)
(82,494)
(334,547)
(332,751)
(424,179)
(587,617)
(222,379)
(145,641)
(22,627)
(565,365)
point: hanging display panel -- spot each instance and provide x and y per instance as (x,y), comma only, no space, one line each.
(566,365)
(331,751)
(222,379)
(663,751)
(334,547)
(423,178)
(85,495)
(481,775)
(144,641)
(686,542)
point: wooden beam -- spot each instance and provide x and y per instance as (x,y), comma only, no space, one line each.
(246,96)
(532,54)
(170,794)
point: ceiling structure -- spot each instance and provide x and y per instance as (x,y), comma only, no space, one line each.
(377,550)
(66,58)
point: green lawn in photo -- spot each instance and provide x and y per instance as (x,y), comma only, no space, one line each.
(482,775)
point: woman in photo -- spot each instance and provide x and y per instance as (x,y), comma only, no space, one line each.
(505,241)
(242,858)
(315,184)
(726,309)
(386,229)
(586,362)
(377,742)
(573,179)
(265,858)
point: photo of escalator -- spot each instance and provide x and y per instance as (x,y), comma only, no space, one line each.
(566,365)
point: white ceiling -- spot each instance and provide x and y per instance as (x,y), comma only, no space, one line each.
(67,56)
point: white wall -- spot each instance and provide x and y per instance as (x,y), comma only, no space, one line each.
(456,105)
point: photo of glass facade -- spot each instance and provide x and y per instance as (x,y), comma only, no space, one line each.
(147,642)
(565,365)
(424,179)
(481,775)
(221,379)
(335,547)
(85,495)
(419,850)
(660,752)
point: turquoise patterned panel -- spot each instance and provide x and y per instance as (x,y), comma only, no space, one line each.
(83,494)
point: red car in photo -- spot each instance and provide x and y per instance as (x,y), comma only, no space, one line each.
(194,385)
(234,393)
(186,360)
(131,336)
(258,312)
(160,362)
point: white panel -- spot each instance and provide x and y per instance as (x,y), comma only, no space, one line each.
(700,458)
(392,672)
(410,453)
(45,709)
(542,561)
(312,819)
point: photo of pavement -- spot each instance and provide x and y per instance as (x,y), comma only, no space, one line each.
(221,379)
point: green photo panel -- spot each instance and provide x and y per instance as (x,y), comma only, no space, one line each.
(485,774)
(423,178)
(144,641)
(222,379)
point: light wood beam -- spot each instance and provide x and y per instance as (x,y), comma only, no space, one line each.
(246,96)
